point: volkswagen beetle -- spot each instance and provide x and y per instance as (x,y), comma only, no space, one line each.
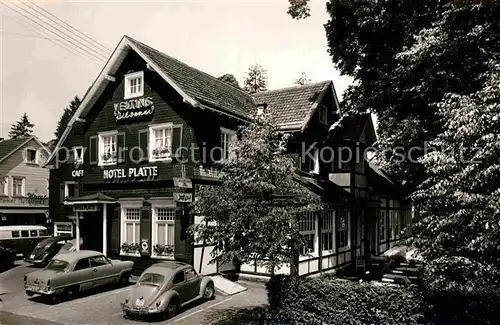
(45,250)
(165,287)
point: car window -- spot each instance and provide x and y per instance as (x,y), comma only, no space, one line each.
(15,234)
(57,265)
(25,233)
(33,233)
(82,264)
(179,277)
(151,279)
(189,274)
(98,261)
(42,232)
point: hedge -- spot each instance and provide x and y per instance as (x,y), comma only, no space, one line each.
(295,300)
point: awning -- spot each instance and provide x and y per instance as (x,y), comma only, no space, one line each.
(23,211)
(90,199)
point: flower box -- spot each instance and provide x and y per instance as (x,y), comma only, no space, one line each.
(163,250)
(162,152)
(132,248)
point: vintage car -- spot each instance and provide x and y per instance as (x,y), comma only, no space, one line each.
(7,257)
(70,273)
(45,250)
(164,287)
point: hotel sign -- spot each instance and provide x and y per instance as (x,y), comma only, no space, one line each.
(183,197)
(134,108)
(131,173)
(183,182)
(85,208)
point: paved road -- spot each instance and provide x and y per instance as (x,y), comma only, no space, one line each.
(103,307)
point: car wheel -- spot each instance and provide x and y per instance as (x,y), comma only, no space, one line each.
(209,292)
(124,279)
(172,307)
(70,292)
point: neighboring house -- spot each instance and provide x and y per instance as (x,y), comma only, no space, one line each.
(24,183)
(145,101)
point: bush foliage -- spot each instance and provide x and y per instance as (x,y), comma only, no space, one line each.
(294,300)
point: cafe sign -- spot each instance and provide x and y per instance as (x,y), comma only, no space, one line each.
(85,207)
(134,108)
(183,197)
(131,173)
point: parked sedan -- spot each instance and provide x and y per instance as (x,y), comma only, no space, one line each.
(7,257)
(70,273)
(45,250)
(165,287)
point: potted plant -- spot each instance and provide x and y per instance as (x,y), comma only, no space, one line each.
(161,152)
(163,250)
(130,248)
(109,156)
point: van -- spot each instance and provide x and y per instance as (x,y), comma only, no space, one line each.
(23,238)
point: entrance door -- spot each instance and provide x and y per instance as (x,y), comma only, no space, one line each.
(91,231)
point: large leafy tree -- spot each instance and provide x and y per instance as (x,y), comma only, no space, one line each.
(230,79)
(22,128)
(66,116)
(256,79)
(459,202)
(254,213)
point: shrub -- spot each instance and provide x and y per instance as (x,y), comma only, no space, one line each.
(295,300)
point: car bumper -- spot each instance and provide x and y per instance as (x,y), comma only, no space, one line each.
(38,290)
(33,261)
(139,311)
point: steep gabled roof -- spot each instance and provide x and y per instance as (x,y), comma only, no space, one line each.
(10,146)
(353,126)
(292,107)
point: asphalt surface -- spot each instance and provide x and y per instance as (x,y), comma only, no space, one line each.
(103,306)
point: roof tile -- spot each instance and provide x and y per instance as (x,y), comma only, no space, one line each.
(6,146)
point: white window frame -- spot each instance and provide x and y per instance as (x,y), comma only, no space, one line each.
(78,157)
(66,189)
(127,85)
(23,186)
(228,136)
(123,228)
(155,223)
(5,186)
(152,141)
(100,151)
(312,222)
(36,162)
(316,162)
(62,232)
(382,221)
(348,246)
(329,229)
(323,114)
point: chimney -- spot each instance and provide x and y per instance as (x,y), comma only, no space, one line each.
(1,139)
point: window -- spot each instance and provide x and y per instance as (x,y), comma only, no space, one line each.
(78,154)
(327,231)
(69,189)
(4,186)
(17,186)
(82,264)
(315,169)
(179,277)
(307,227)
(134,85)
(98,261)
(57,265)
(323,114)
(42,233)
(107,148)
(342,227)
(25,233)
(382,225)
(15,234)
(160,138)
(394,224)
(31,156)
(227,137)
(163,231)
(131,217)
(33,233)
(63,229)
(189,274)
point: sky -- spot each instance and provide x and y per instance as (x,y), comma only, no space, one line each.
(39,76)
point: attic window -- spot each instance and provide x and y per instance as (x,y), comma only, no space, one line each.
(323,114)
(134,85)
(31,156)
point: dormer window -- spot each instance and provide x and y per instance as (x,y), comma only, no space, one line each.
(31,156)
(323,114)
(134,85)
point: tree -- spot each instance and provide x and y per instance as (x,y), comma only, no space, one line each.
(66,116)
(230,79)
(256,79)
(459,202)
(253,214)
(303,80)
(22,128)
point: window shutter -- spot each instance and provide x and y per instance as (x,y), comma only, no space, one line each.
(61,193)
(177,140)
(145,228)
(143,144)
(180,242)
(93,150)
(62,154)
(115,231)
(77,189)
(120,147)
